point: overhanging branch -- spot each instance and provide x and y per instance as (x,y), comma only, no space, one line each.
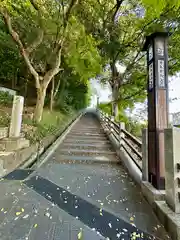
(17,40)
(118,5)
(58,50)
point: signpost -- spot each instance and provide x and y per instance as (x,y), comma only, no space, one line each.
(157,65)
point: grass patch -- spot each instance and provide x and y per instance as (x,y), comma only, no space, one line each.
(51,123)
(6,101)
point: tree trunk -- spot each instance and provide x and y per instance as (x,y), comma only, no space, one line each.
(41,93)
(115,108)
(52,96)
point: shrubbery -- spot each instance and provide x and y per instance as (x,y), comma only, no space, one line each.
(5,98)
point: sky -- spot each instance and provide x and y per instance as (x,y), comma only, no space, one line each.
(174,92)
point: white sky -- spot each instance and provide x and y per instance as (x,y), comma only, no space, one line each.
(174,92)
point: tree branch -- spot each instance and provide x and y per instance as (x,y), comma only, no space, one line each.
(57,87)
(68,12)
(17,40)
(117,6)
(32,47)
(56,66)
(134,61)
(132,95)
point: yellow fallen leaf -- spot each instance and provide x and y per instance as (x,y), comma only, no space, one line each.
(35,225)
(18,213)
(2,209)
(22,209)
(131,219)
(80,235)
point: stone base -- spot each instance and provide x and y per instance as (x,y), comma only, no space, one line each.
(169,219)
(13,144)
(152,194)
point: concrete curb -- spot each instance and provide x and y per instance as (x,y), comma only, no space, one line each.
(32,158)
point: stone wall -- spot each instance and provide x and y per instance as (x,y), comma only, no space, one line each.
(11,160)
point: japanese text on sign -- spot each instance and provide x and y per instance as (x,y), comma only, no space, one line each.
(161,75)
(151,76)
(160,48)
(150,53)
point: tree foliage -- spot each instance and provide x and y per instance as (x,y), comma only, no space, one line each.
(42,32)
(57,46)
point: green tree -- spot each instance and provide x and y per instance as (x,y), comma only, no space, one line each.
(35,26)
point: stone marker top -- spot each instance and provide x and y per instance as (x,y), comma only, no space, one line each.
(16,117)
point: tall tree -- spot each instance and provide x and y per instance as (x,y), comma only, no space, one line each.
(33,25)
(121,27)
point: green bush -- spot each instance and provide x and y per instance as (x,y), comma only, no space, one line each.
(51,123)
(5,98)
(135,128)
(4,119)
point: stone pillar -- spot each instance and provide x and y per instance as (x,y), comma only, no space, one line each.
(145,154)
(172,168)
(16,117)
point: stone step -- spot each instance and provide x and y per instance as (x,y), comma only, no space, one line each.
(87,146)
(83,137)
(85,131)
(86,141)
(86,159)
(85,128)
(82,152)
(87,134)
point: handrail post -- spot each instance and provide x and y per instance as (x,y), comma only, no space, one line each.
(111,124)
(145,154)
(121,127)
(102,118)
(106,121)
(100,115)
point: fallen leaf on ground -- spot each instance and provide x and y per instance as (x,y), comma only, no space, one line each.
(18,213)
(80,235)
